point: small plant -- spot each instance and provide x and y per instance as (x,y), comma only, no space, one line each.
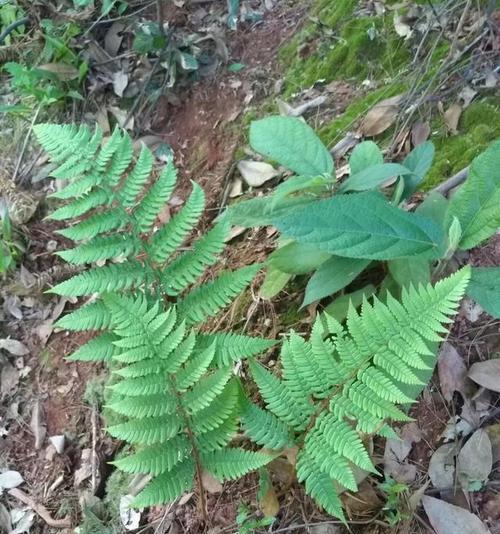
(338,230)
(248,524)
(345,382)
(176,393)
(11,247)
(396,506)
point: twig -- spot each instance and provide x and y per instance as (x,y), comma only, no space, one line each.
(141,94)
(40,509)
(160,13)
(94,446)
(461,22)
(11,27)
(452,182)
(25,143)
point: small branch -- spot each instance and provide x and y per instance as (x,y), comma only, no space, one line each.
(11,27)
(452,182)
(25,143)
(160,12)
(40,510)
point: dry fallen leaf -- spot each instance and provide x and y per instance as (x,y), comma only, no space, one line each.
(452,117)
(210,483)
(396,452)
(420,132)
(120,82)
(9,380)
(36,425)
(130,517)
(446,518)
(381,117)
(14,347)
(403,29)
(494,434)
(486,374)
(256,173)
(10,479)
(442,466)
(452,372)
(63,71)
(475,461)
(113,38)
(269,503)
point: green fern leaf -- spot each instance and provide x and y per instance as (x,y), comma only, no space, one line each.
(231,347)
(207,300)
(168,486)
(265,428)
(194,369)
(171,236)
(113,277)
(219,437)
(93,316)
(149,207)
(137,178)
(145,405)
(101,248)
(189,266)
(80,206)
(98,349)
(147,431)
(207,389)
(156,459)
(229,464)
(94,225)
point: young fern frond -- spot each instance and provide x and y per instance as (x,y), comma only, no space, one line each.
(115,203)
(346,381)
(174,387)
(164,395)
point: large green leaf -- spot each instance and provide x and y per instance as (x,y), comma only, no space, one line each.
(339,307)
(293,144)
(484,288)
(410,271)
(364,155)
(372,177)
(274,282)
(419,160)
(261,210)
(298,258)
(361,225)
(477,203)
(332,276)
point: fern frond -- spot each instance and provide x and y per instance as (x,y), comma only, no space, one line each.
(101,248)
(137,178)
(80,206)
(168,486)
(80,187)
(94,316)
(113,277)
(207,300)
(171,236)
(156,459)
(96,224)
(265,428)
(98,349)
(346,381)
(189,266)
(155,199)
(147,431)
(229,464)
(231,347)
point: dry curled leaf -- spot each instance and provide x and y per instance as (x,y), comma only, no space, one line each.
(256,173)
(452,372)
(475,461)
(381,117)
(486,374)
(442,466)
(14,347)
(452,117)
(447,518)
(420,132)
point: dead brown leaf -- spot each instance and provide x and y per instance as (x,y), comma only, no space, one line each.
(452,372)
(269,503)
(420,132)
(486,374)
(210,483)
(381,117)
(452,117)
(475,460)
(446,518)
(63,71)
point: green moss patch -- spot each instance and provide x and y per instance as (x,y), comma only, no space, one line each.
(478,127)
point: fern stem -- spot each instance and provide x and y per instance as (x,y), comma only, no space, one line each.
(196,455)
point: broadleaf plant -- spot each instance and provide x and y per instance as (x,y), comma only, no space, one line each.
(345,382)
(337,229)
(176,392)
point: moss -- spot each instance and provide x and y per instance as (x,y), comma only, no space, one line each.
(340,45)
(336,129)
(478,127)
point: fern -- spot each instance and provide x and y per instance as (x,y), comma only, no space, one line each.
(174,388)
(114,205)
(175,385)
(346,381)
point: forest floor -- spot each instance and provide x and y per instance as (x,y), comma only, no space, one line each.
(52,431)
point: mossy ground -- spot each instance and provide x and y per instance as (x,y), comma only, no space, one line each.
(478,127)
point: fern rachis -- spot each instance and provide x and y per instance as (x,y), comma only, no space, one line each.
(347,381)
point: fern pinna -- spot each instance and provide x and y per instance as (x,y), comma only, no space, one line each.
(346,381)
(176,384)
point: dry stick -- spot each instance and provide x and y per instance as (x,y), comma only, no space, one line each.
(25,143)
(40,510)
(458,30)
(452,182)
